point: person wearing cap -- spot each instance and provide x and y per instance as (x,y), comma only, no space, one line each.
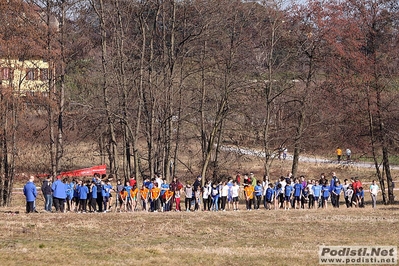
(59,194)
(30,193)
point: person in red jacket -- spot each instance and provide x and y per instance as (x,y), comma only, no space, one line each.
(356,184)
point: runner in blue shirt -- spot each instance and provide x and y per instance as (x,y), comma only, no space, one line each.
(83,191)
(336,191)
(287,193)
(128,200)
(30,193)
(269,196)
(297,193)
(164,188)
(59,194)
(325,189)
(316,193)
(258,195)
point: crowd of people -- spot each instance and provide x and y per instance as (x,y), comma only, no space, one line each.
(97,194)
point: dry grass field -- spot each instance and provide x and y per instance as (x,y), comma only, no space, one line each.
(276,237)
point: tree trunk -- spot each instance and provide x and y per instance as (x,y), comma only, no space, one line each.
(112,144)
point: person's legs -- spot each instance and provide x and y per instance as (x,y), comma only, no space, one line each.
(373,200)
(49,202)
(62,205)
(84,205)
(56,204)
(186,201)
(93,204)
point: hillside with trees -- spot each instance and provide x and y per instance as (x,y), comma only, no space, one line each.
(163,86)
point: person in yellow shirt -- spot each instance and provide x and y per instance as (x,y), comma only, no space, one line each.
(249,195)
(144,197)
(154,194)
(339,154)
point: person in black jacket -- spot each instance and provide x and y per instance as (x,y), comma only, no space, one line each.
(47,194)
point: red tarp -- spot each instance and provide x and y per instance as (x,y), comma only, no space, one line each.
(101,169)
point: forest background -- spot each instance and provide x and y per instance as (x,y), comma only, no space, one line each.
(166,86)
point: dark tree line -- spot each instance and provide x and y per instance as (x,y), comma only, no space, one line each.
(165,86)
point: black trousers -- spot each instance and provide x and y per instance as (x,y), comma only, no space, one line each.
(59,204)
(249,204)
(258,201)
(348,202)
(30,206)
(206,204)
(100,202)
(311,201)
(93,203)
(223,203)
(82,205)
(187,203)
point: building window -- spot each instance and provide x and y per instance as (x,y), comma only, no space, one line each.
(5,73)
(31,74)
(44,74)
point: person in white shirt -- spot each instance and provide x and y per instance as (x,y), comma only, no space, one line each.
(265,185)
(311,194)
(281,196)
(373,193)
(224,193)
(206,196)
(345,187)
(159,179)
(235,190)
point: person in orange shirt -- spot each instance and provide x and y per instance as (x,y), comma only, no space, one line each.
(168,197)
(123,197)
(144,197)
(155,193)
(339,154)
(249,195)
(133,197)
